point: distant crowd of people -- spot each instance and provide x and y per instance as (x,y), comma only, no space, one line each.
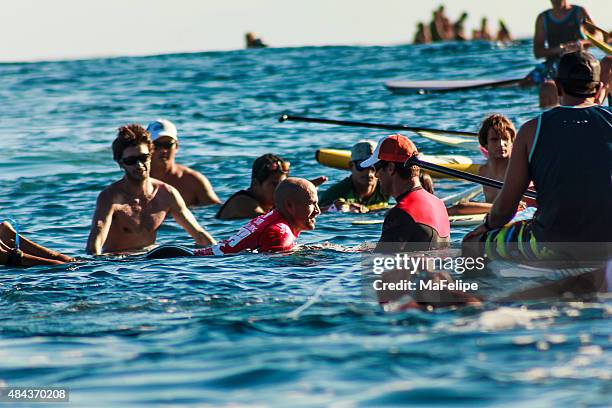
(441,29)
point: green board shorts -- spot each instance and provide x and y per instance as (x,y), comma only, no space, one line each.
(515,241)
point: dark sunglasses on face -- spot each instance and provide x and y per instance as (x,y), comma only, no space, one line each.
(358,166)
(164,145)
(132,160)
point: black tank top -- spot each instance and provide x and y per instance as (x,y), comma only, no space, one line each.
(236,194)
(565,30)
(571,165)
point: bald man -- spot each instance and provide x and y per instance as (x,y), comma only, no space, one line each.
(296,208)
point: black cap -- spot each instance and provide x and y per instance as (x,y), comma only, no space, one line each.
(579,72)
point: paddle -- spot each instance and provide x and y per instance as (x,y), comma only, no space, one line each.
(287,117)
(594,27)
(485,181)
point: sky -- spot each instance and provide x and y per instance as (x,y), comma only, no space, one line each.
(34,30)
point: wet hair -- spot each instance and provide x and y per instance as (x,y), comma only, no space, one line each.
(261,170)
(130,135)
(500,123)
(426,182)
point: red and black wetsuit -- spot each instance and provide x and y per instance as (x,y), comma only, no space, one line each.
(269,232)
(419,221)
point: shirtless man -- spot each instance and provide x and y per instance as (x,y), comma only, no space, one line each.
(497,135)
(571,207)
(193,186)
(129,211)
(295,210)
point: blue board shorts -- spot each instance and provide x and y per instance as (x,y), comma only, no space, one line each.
(543,72)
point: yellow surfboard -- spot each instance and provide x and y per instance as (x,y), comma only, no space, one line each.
(340,159)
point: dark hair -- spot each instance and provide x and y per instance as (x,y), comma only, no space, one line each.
(498,122)
(264,165)
(404,172)
(130,135)
(578,88)
(426,182)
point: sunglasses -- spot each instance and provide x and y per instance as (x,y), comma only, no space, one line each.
(358,166)
(164,145)
(379,165)
(282,166)
(132,160)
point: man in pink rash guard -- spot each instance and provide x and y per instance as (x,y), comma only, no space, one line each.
(296,207)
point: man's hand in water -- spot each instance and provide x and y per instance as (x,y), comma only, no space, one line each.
(319,180)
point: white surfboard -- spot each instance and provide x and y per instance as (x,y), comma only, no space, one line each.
(445,86)
(469,143)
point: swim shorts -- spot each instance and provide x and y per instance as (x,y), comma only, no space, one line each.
(514,241)
(544,71)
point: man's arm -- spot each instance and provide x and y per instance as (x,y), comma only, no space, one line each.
(185,219)
(205,194)
(101,223)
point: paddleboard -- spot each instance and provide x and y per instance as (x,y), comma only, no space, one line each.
(469,143)
(607,48)
(423,87)
(340,159)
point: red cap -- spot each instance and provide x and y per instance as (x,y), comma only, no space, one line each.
(394,148)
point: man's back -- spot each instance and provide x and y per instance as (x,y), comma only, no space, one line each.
(573,182)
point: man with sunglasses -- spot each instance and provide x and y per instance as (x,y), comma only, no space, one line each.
(193,186)
(130,211)
(419,216)
(359,192)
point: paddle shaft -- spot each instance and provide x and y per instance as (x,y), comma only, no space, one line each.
(485,181)
(286,117)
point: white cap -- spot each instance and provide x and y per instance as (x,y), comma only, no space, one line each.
(162,127)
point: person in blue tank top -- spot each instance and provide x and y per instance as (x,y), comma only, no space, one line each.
(567,153)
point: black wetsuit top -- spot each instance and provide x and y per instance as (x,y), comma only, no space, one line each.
(236,194)
(571,165)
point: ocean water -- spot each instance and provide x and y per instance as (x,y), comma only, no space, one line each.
(255,329)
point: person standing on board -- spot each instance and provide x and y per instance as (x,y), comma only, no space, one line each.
(130,211)
(295,210)
(419,216)
(193,186)
(557,32)
(422,35)
(18,251)
(459,28)
(573,184)
(360,190)
(484,33)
